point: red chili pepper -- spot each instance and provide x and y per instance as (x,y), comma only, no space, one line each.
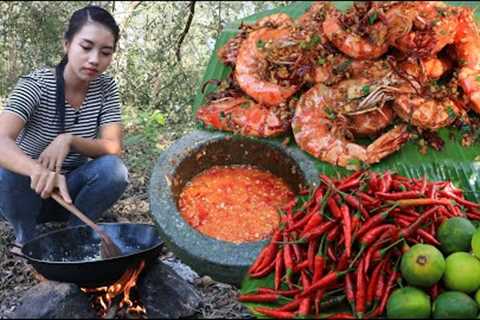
(291,306)
(322,283)
(288,262)
(298,252)
(434,291)
(264,272)
(278,270)
(263,297)
(368,238)
(374,221)
(387,182)
(398,195)
(421,202)
(306,282)
(343,261)
(356,204)
(347,228)
(366,199)
(319,261)
(361,291)
(331,255)
(406,232)
(334,209)
(315,220)
(461,201)
(380,285)
(428,237)
(300,223)
(373,181)
(473,216)
(284,293)
(300,266)
(318,298)
(311,251)
(349,291)
(332,234)
(389,287)
(351,182)
(356,224)
(373,284)
(318,231)
(267,254)
(269,312)
(305,307)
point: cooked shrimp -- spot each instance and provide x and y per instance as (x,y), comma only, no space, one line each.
(362,120)
(318,134)
(251,67)
(426,69)
(243,116)
(313,18)
(228,53)
(338,67)
(370,45)
(428,26)
(426,113)
(467,45)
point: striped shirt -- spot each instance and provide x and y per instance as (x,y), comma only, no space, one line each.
(34,100)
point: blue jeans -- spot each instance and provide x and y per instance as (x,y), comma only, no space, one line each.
(94,187)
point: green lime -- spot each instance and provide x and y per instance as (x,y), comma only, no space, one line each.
(454,305)
(408,303)
(477,297)
(476,243)
(462,272)
(423,265)
(455,234)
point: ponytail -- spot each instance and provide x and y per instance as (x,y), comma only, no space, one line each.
(60,93)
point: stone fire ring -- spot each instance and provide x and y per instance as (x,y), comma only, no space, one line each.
(195,152)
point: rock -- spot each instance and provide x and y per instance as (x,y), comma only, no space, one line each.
(53,300)
(166,295)
(163,293)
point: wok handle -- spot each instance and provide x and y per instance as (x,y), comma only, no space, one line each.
(78,213)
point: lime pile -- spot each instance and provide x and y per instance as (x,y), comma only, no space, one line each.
(453,268)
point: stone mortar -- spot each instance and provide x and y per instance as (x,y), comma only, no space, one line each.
(195,152)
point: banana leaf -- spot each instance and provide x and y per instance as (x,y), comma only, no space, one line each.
(459,164)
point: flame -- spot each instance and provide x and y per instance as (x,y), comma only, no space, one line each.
(106,295)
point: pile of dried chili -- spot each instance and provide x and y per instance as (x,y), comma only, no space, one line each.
(345,241)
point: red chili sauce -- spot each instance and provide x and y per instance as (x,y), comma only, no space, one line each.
(234,203)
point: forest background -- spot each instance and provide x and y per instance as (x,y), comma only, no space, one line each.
(162,54)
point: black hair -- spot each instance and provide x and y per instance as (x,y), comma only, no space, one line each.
(79,19)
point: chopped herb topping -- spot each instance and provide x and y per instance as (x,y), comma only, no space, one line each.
(321,61)
(342,67)
(451,114)
(372,18)
(260,44)
(366,89)
(330,114)
(245,105)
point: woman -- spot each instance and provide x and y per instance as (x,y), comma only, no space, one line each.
(54,122)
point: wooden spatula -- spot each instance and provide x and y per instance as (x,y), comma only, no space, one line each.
(108,249)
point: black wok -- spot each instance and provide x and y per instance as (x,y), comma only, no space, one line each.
(73,254)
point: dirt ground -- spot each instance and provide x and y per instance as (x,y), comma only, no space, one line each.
(16,276)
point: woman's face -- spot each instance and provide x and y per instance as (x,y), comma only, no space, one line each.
(90,51)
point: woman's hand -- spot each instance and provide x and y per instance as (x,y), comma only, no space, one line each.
(54,155)
(45,181)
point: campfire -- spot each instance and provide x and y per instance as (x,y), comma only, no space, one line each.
(120,299)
